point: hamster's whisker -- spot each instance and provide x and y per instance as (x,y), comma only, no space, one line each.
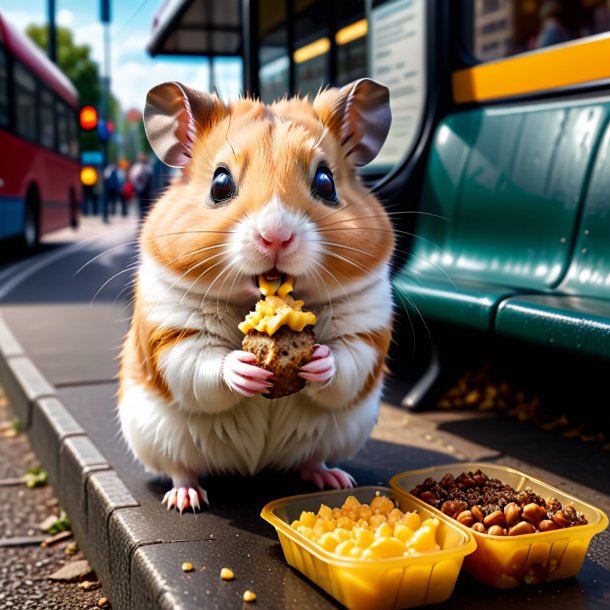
(225,270)
(342,208)
(220,289)
(126,270)
(197,231)
(380,230)
(227,135)
(334,277)
(91,260)
(238,273)
(185,254)
(314,269)
(410,302)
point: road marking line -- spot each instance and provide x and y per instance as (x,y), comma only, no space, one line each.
(18,278)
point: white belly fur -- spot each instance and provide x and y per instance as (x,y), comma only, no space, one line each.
(255,435)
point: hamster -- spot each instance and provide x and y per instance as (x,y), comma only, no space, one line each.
(265,190)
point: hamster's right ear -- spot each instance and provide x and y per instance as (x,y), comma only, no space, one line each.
(174,115)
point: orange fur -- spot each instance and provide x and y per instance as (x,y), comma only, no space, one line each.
(380,340)
(143,347)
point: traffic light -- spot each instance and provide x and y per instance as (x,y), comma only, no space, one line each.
(88,118)
(88,175)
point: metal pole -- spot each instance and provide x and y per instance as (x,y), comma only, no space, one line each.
(105,107)
(52,39)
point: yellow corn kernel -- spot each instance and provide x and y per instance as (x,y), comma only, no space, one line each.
(346,523)
(227,574)
(395,516)
(388,547)
(424,539)
(382,505)
(364,538)
(295,524)
(344,548)
(306,531)
(412,520)
(343,534)
(377,520)
(328,542)
(356,552)
(385,530)
(325,512)
(351,502)
(307,518)
(249,596)
(403,532)
(369,554)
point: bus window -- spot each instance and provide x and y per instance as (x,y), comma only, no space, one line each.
(273,51)
(312,46)
(25,102)
(350,39)
(502,27)
(335,42)
(3,88)
(47,121)
(63,139)
(397,58)
(73,133)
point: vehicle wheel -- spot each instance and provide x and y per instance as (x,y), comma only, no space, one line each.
(74,213)
(31,226)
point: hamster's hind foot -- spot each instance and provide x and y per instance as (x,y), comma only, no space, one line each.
(182,498)
(323,476)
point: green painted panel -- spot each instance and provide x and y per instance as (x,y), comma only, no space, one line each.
(463,302)
(589,273)
(523,184)
(576,324)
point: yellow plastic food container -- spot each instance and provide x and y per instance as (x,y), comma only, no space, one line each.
(365,584)
(507,561)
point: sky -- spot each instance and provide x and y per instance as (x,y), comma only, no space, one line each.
(133,71)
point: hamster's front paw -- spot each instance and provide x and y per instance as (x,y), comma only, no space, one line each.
(242,376)
(321,367)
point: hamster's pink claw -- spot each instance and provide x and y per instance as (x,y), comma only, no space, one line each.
(322,476)
(321,367)
(182,498)
(245,378)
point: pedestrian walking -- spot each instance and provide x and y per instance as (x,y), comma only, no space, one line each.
(141,176)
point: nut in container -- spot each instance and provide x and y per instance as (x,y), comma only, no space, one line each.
(364,572)
(526,531)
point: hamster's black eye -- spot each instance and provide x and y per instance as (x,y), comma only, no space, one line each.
(323,186)
(223,187)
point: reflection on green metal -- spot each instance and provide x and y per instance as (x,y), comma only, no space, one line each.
(504,191)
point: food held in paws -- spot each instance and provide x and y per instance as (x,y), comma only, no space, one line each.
(280,334)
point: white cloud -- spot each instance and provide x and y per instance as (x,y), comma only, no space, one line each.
(131,81)
(21,19)
(65,18)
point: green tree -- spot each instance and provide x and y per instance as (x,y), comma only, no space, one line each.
(74,60)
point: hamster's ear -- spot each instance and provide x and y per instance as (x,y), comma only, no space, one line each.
(359,115)
(174,115)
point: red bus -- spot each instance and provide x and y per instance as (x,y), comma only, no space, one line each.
(39,170)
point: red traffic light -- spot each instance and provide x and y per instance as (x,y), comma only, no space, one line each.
(88,118)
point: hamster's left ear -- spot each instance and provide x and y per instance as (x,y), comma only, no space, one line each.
(359,115)
(174,115)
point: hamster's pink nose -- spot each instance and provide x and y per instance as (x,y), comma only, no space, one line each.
(275,238)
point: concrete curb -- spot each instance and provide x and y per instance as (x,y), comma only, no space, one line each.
(87,487)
